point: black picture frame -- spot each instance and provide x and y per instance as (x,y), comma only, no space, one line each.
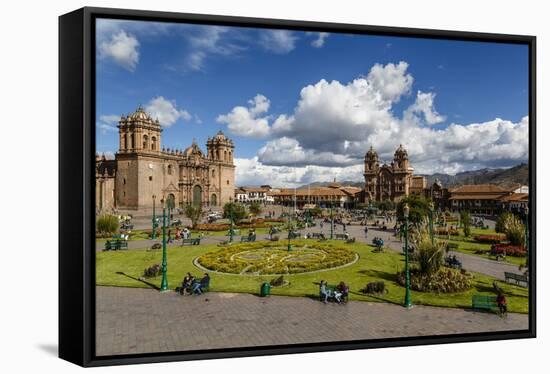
(76,184)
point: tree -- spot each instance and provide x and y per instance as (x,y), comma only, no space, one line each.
(503,222)
(255,208)
(236,210)
(386,205)
(512,226)
(418,208)
(194,213)
(465,218)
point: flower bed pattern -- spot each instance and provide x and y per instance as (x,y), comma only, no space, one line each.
(508,250)
(274,258)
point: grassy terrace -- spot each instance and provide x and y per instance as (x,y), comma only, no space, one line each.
(469,245)
(123,268)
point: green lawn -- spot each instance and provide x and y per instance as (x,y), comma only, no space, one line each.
(469,245)
(123,268)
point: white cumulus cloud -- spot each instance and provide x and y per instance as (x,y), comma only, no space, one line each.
(278,41)
(320,40)
(247,121)
(122,48)
(166,111)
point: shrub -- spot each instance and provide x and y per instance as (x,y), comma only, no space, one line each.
(375,288)
(445,231)
(508,250)
(490,239)
(152,271)
(515,233)
(429,257)
(503,222)
(107,225)
(445,280)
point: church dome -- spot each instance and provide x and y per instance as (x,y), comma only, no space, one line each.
(401,152)
(193,149)
(220,136)
(371,154)
(139,115)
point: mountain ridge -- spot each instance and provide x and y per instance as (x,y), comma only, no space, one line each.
(500,176)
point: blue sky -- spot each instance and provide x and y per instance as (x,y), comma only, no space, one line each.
(306,106)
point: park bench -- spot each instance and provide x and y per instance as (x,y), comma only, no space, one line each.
(176,222)
(293,234)
(484,302)
(126,226)
(191,241)
(249,238)
(518,279)
(350,240)
(315,235)
(115,245)
(341,237)
(330,289)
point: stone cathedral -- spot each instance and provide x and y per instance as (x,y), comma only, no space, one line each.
(391,181)
(142,170)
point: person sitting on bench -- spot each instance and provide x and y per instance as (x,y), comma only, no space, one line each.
(199,286)
(186,283)
(324,292)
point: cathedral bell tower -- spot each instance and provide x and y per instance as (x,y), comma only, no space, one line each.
(372,167)
(401,158)
(138,132)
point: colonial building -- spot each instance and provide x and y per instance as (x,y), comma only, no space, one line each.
(488,199)
(393,181)
(143,171)
(332,195)
(253,194)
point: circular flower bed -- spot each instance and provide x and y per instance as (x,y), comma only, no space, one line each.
(274,258)
(442,281)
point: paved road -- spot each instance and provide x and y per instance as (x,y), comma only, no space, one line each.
(142,320)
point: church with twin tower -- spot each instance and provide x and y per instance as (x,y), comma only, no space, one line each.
(143,171)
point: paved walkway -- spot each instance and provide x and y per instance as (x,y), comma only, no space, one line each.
(141,320)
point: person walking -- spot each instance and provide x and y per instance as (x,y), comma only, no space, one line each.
(366,232)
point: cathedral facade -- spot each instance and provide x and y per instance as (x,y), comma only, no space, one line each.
(391,181)
(143,172)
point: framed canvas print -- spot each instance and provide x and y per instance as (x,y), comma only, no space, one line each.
(233,186)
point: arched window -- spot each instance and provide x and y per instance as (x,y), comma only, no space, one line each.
(213,200)
(213,173)
(145,142)
(132,141)
(169,169)
(225,155)
(153,143)
(125,141)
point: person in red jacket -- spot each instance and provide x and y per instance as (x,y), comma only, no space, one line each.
(501,302)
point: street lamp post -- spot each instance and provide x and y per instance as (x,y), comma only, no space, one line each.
(407,303)
(526,211)
(289,246)
(164,282)
(231,220)
(331,221)
(154,220)
(431,219)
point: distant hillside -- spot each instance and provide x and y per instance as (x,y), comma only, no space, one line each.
(502,177)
